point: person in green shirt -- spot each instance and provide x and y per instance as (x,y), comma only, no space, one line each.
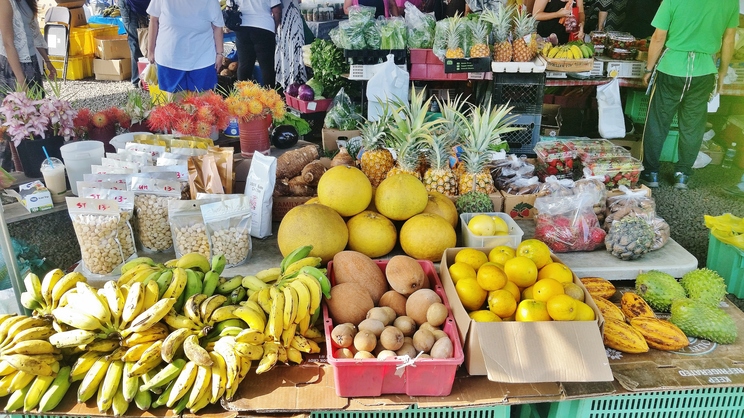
(683,47)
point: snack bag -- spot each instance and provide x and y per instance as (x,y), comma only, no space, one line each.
(125,200)
(151,198)
(228,228)
(630,202)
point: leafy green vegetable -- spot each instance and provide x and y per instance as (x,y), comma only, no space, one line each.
(393,34)
(303,128)
(328,63)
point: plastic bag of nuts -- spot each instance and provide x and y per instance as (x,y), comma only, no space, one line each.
(228,228)
(151,197)
(180,170)
(125,200)
(187,226)
(636,202)
(96,224)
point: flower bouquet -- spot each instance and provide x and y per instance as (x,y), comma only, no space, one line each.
(196,114)
(255,107)
(101,125)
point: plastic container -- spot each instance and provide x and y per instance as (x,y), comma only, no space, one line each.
(82,38)
(555,158)
(312,106)
(620,53)
(512,239)
(636,107)
(78,157)
(413,411)
(598,37)
(594,149)
(523,141)
(372,377)
(617,171)
(728,261)
(522,91)
(622,40)
(78,67)
(728,158)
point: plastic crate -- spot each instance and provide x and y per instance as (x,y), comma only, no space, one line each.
(375,56)
(78,67)
(709,402)
(82,38)
(728,261)
(523,141)
(498,411)
(365,72)
(636,107)
(303,106)
(523,91)
(512,239)
(669,152)
(372,377)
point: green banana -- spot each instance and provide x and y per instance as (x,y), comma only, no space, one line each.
(218,263)
(180,301)
(15,401)
(211,281)
(56,392)
(163,281)
(230,285)
(237,295)
(163,398)
(135,262)
(143,400)
(179,407)
(297,254)
(164,376)
(325,284)
(193,283)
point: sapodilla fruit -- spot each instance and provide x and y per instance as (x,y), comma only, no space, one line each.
(394,300)
(353,266)
(405,275)
(418,304)
(349,302)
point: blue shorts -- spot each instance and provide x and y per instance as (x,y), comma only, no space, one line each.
(172,80)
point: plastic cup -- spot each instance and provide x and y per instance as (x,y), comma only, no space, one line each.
(54,178)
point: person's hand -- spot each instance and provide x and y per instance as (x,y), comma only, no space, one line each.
(218,63)
(51,70)
(151,56)
(646,79)
(719,84)
(580,34)
(565,12)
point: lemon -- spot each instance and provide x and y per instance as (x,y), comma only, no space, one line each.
(460,271)
(471,256)
(482,226)
(484,316)
(471,294)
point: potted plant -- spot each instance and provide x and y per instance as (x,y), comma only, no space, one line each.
(101,125)
(255,107)
(32,123)
(196,114)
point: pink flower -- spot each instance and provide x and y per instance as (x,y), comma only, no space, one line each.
(26,118)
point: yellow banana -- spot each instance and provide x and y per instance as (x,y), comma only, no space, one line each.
(21,380)
(152,294)
(38,387)
(135,352)
(32,348)
(173,342)
(103,346)
(314,347)
(64,284)
(288,334)
(157,332)
(250,336)
(219,377)
(110,385)
(209,305)
(297,265)
(223,313)
(21,324)
(33,286)
(294,355)
(316,293)
(201,386)
(48,283)
(275,323)
(134,303)
(177,284)
(314,334)
(29,364)
(303,299)
(82,365)
(176,321)
(244,367)
(291,300)
(232,363)
(192,308)
(194,261)
(264,299)
(77,319)
(115,300)
(36,333)
(182,384)
(72,338)
(127,277)
(270,357)
(91,303)
(150,359)
(5,383)
(281,354)
(252,352)
(92,379)
(254,320)
(150,316)
(253,283)
(119,404)
(195,352)
(6,369)
(200,403)
(301,343)
(269,275)
(577,52)
(129,384)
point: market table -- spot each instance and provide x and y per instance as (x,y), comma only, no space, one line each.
(566,82)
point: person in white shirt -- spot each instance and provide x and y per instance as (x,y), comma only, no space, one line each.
(185,41)
(256,38)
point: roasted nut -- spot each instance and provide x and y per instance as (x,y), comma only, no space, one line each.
(153,229)
(234,242)
(99,244)
(126,238)
(191,239)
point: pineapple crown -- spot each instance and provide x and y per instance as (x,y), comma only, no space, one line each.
(454,31)
(524,23)
(438,150)
(374,133)
(484,128)
(480,31)
(501,21)
(409,130)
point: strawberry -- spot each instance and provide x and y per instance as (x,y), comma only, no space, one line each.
(597,236)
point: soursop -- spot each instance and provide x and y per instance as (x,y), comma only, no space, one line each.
(474,202)
(698,319)
(629,238)
(659,289)
(704,285)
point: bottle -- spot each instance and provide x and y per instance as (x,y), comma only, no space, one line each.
(728,158)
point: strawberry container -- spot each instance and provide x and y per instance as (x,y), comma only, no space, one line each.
(555,158)
(616,170)
(598,37)
(620,53)
(372,377)
(621,40)
(592,149)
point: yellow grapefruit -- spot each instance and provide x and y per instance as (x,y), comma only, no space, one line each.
(521,270)
(460,271)
(502,303)
(443,206)
(482,226)
(502,228)
(584,312)
(400,196)
(426,236)
(471,256)
(316,225)
(545,289)
(562,308)
(346,190)
(500,254)
(491,277)
(535,250)
(530,310)
(371,234)
(471,295)
(557,271)
(483,315)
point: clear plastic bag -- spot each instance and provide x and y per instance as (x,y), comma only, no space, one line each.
(125,200)
(151,198)
(523,185)
(361,15)
(187,227)
(342,115)
(635,202)
(662,232)
(393,33)
(96,225)
(373,34)
(228,228)
(439,46)
(506,170)
(568,223)
(420,27)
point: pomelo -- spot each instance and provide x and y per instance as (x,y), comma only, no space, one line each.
(316,225)
(346,190)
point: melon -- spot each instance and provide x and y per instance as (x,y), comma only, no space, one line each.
(400,197)
(316,225)
(349,302)
(355,267)
(426,236)
(443,206)
(371,234)
(345,189)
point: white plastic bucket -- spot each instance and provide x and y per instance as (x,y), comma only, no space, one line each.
(78,157)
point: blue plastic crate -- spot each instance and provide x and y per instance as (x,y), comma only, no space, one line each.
(728,261)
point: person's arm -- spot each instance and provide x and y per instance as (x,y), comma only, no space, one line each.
(347,4)
(658,39)
(276,13)
(582,18)
(727,51)
(7,33)
(218,46)
(601,19)
(47,63)
(538,11)
(152,37)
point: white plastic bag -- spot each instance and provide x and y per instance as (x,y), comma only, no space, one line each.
(702,160)
(388,83)
(611,119)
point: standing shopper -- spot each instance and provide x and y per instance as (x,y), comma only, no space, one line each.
(185,40)
(684,45)
(256,38)
(21,45)
(134,16)
(290,40)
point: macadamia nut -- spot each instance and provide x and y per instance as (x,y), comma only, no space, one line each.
(98,237)
(191,239)
(153,229)
(234,242)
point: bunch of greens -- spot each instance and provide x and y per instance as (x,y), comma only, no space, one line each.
(303,128)
(420,27)
(328,63)
(342,115)
(393,33)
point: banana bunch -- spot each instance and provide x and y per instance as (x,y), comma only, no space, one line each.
(111,11)
(42,296)
(571,50)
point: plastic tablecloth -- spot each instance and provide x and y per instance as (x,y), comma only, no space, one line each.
(109,21)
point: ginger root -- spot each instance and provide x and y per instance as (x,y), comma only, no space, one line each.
(298,187)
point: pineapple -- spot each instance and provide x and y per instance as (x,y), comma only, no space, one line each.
(454,38)
(440,177)
(376,160)
(484,127)
(524,25)
(480,38)
(409,131)
(501,20)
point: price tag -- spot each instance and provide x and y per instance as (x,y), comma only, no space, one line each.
(312,105)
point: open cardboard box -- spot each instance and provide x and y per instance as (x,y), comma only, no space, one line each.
(529,352)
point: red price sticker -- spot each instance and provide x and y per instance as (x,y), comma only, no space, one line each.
(103,207)
(143,187)
(81,205)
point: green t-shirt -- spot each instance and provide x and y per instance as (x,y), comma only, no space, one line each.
(694,26)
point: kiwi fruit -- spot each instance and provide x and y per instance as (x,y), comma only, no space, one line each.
(406,325)
(391,338)
(365,341)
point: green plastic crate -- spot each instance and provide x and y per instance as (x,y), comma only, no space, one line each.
(636,107)
(708,403)
(728,261)
(500,411)
(669,152)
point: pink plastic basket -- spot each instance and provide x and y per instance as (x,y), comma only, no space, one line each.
(371,377)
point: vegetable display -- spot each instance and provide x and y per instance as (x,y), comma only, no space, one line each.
(328,63)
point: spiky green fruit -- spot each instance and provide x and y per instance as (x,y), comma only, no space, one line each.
(659,289)
(704,285)
(474,202)
(698,319)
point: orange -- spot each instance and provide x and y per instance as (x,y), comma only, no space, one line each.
(530,310)
(527,292)
(562,308)
(500,254)
(484,315)
(502,303)
(521,270)
(546,288)
(491,277)
(461,271)
(514,289)
(584,312)
(556,271)
(535,250)
(471,256)
(471,294)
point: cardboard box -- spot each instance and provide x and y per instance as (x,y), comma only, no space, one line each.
(34,196)
(283,204)
(570,65)
(519,206)
(330,136)
(77,17)
(632,144)
(529,352)
(116,70)
(112,47)
(550,124)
